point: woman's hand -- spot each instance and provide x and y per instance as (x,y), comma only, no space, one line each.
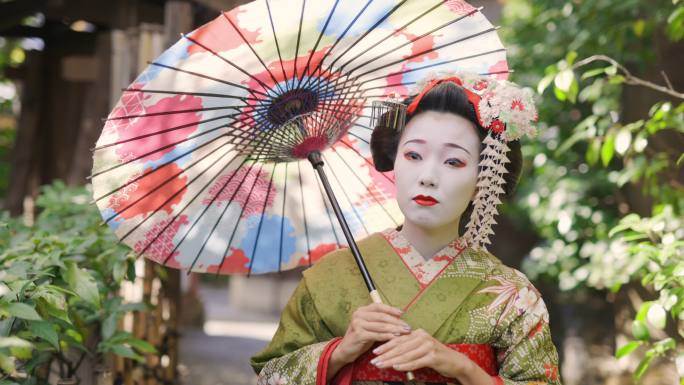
(369,324)
(420,350)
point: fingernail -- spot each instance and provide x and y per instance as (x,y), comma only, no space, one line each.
(378,363)
(375,351)
(407,328)
(373,361)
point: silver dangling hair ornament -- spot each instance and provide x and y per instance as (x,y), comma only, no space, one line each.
(490,187)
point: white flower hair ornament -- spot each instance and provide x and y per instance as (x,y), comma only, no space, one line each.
(507,112)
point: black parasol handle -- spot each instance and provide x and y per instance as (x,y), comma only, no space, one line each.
(317,163)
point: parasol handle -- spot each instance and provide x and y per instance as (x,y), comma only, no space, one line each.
(317,163)
(375,296)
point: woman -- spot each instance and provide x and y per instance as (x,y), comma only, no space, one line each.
(452,312)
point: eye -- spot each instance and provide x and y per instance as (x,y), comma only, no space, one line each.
(455,162)
(412,155)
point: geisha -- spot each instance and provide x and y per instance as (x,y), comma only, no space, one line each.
(452,312)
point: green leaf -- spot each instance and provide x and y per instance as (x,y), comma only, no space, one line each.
(663,346)
(628,348)
(592,73)
(640,331)
(7,364)
(134,306)
(643,310)
(617,79)
(680,159)
(560,94)
(643,366)
(675,27)
(109,326)
(130,273)
(638,27)
(119,271)
(593,151)
(545,82)
(611,70)
(22,353)
(9,342)
(44,330)
(22,310)
(608,149)
(125,351)
(82,283)
(6,326)
(142,346)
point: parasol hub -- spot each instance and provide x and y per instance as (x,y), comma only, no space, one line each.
(292,103)
(310,145)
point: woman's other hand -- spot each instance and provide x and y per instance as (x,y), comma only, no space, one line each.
(369,324)
(420,350)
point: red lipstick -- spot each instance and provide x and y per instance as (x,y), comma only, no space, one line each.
(425,200)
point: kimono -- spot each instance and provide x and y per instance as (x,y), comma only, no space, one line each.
(464,298)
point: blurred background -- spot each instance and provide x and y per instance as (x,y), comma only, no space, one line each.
(597,222)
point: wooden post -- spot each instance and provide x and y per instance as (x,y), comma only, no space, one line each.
(96,108)
(178,18)
(23,159)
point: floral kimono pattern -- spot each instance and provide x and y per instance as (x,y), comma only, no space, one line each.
(464,298)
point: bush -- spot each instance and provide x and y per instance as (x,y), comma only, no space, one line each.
(59,290)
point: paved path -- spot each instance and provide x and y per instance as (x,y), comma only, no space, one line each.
(219,353)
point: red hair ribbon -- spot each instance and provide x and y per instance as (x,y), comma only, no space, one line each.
(473,98)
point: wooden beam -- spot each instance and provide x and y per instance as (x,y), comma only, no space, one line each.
(220,5)
(79,68)
(13,12)
(22,31)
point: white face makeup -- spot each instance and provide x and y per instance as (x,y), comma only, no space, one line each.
(436,170)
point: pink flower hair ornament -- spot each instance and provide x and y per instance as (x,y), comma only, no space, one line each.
(500,106)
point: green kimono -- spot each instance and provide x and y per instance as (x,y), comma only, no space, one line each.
(460,296)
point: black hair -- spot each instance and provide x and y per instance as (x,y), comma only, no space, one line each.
(444,97)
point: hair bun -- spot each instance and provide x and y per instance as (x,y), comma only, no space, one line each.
(384,142)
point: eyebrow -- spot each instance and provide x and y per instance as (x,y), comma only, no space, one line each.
(454,145)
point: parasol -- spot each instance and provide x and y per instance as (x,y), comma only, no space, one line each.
(205,161)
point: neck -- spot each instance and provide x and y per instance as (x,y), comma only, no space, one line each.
(429,241)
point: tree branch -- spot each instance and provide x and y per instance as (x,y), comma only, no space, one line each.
(631,79)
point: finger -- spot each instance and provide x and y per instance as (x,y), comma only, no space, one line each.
(384,317)
(408,356)
(422,362)
(399,349)
(390,344)
(382,327)
(395,342)
(367,336)
(382,308)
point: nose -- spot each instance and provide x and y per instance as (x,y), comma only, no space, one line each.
(427,179)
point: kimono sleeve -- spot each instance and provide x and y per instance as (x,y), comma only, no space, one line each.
(525,352)
(301,340)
